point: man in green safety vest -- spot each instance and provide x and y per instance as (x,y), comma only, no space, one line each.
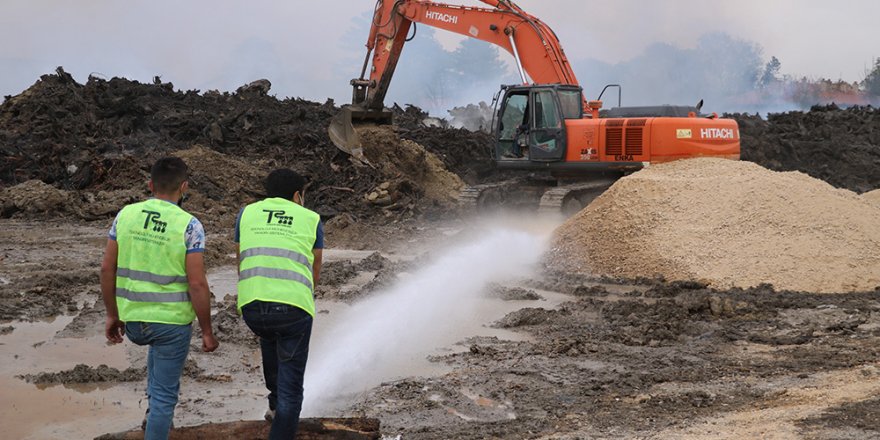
(280,243)
(153,284)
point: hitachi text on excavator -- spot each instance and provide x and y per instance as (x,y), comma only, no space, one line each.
(543,123)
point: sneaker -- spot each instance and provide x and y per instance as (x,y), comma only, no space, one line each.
(144,422)
(270,414)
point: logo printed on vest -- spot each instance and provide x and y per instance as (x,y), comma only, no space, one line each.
(278,215)
(153,217)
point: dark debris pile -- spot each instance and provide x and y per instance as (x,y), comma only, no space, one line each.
(839,146)
(104,134)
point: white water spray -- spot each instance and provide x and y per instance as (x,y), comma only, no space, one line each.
(411,319)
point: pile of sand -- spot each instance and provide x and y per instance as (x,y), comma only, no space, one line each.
(727,223)
(872,197)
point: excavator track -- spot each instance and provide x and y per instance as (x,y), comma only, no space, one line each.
(517,193)
(571,198)
(532,194)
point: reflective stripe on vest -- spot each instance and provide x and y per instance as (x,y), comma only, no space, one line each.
(278,274)
(139,275)
(156,297)
(151,282)
(276,239)
(277,252)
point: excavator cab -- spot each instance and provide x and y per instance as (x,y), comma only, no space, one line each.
(530,122)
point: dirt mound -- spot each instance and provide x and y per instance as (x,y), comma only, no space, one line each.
(727,223)
(36,199)
(523,317)
(337,273)
(464,152)
(872,197)
(220,185)
(32,197)
(85,374)
(512,293)
(229,327)
(373,262)
(417,172)
(839,146)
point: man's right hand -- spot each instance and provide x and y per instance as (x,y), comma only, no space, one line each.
(209,343)
(114,329)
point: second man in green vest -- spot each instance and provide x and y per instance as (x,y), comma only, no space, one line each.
(279,248)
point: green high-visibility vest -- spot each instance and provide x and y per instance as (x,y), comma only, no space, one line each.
(151,284)
(276,238)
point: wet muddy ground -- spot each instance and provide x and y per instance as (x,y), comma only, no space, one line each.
(553,357)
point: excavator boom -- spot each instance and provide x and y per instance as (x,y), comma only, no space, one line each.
(532,43)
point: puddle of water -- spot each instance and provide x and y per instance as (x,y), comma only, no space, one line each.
(33,349)
(42,412)
(27,412)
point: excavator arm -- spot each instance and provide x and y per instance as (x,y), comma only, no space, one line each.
(532,43)
(535,47)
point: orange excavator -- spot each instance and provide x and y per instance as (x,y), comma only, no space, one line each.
(544,123)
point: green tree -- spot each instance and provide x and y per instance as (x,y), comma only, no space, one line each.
(771,72)
(871,84)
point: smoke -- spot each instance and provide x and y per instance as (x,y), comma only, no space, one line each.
(719,70)
(374,339)
(312,49)
(196,44)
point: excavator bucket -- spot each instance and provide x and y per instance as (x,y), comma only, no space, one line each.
(343,134)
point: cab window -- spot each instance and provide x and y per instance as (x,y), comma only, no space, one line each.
(546,110)
(515,115)
(572,104)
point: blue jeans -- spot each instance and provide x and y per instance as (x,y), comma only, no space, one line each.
(169,345)
(284,332)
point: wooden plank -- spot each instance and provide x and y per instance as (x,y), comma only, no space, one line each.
(355,428)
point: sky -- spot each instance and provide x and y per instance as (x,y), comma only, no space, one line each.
(312,49)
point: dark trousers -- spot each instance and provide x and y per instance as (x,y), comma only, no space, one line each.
(284,332)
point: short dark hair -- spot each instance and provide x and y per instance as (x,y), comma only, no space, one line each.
(168,173)
(284,183)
